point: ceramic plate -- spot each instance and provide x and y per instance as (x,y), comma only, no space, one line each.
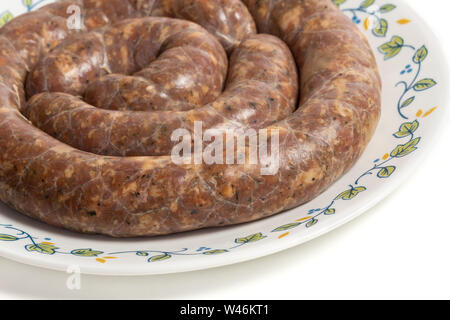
(413,69)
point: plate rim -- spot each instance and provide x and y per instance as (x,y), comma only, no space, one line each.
(289,242)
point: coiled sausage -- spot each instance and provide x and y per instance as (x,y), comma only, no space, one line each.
(339,108)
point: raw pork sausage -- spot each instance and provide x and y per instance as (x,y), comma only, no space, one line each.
(338,111)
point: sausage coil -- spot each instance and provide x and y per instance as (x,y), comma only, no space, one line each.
(86,115)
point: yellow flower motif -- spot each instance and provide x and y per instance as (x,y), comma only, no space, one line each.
(403,21)
(303,219)
(420,112)
(104,259)
(283,235)
(429,112)
(5,17)
(366,23)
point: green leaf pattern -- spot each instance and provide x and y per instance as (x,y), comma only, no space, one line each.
(392,48)
(86,252)
(5,17)
(338,2)
(7,237)
(160,257)
(420,54)
(386,172)
(408,101)
(367,3)
(311,223)
(42,248)
(407,129)
(381,28)
(287,226)
(252,238)
(351,193)
(424,84)
(387,8)
(211,252)
(405,149)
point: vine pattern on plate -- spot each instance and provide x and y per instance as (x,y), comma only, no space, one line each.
(382,168)
(374,15)
(150,255)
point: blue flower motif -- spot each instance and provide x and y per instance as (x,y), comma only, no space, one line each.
(408,69)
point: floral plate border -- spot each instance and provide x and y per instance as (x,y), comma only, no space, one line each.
(374,17)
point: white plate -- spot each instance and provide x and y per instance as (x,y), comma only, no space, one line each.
(411,63)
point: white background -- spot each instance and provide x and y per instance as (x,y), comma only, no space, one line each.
(399,249)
